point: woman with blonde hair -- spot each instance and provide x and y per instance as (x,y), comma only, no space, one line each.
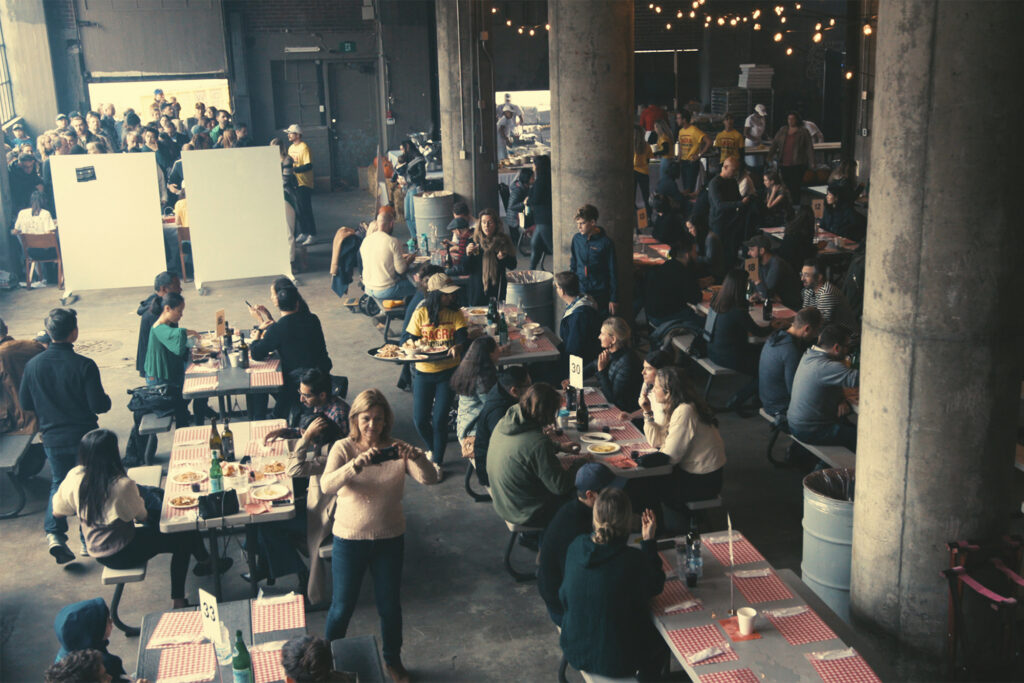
(606,594)
(488,256)
(618,368)
(641,171)
(366,471)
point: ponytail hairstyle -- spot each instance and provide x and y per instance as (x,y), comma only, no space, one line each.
(99,455)
(476,368)
(613,514)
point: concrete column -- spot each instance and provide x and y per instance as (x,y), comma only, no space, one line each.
(942,319)
(466,94)
(591,62)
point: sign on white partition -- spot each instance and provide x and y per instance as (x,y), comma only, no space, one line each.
(236,213)
(575,372)
(210,616)
(108,220)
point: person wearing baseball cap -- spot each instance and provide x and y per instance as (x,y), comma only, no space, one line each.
(506,129)
(571,520)
(61,121)
(439,324)
(19,137)
(775,277)
(303,168)
(753,135)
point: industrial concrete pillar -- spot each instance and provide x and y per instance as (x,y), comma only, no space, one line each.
(466,94)
(591,63)
(942,319)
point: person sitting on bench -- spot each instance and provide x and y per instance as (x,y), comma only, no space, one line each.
(780,357)
(818,409)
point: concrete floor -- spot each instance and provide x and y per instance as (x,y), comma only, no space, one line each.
(465,619)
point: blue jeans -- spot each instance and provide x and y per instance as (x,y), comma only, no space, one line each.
(431,403)
(61,460)
(541,244)
(840,433)
(402,289)
(409,208)
(688,173)
(349,562)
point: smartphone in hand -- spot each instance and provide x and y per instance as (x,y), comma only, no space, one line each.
(384,454)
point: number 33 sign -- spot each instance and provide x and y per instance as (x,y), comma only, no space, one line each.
(210,616)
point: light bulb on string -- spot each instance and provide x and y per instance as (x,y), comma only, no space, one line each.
(849,75)
(721,21)
(777,37)
(533,32)
(779,9)
(817,27)
(520,30)
(797,6)
(757,27)
(657,9)
(650,6)
(782,20)
(789,51)
(744,20)
(494,10)
(831,22)
(756,14)
(679,14)
(817,38)
(867,29)
(508,22)
(547,27)
(693,15)
(695,4)
(732,22)
(668,27)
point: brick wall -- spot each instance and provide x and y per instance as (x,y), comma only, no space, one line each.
(307,15)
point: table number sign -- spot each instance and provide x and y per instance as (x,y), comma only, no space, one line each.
(221,320)
(210,616)
(641,219)
(576,372)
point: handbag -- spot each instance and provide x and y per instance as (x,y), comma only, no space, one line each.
(655,459)
(152,399)
(219,504)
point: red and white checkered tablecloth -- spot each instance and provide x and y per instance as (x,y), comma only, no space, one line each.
(846,670)
(689,641)
(259,430)
(255,449)
(539,344)
(202,383)
(261,365)
(628,433)
(187,664)
(673,594)
(762,588)
(191,435)
(608,416)
(803,628)
(190,454)
(594,397)
(743,551)
(666,564)
(732,676)
(175,513)
(278,616)
(266,666)
(207,368)
(173,624)
(266,378)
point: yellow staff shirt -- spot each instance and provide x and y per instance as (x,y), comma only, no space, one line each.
(299,152)
(439,336)
(730,144)
(690,140)
(640,161)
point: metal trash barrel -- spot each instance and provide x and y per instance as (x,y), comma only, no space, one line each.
(433,214)
(533,291)
(828,536)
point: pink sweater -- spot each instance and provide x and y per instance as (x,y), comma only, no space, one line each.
(370,503)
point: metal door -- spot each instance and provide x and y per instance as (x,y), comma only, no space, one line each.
(299,98)
(354,119)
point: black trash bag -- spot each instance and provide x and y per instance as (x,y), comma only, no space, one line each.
(837,483)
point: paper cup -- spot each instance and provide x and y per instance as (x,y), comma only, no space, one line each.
(745,617)
(243,494)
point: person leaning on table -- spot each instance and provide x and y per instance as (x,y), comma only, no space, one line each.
(369,525)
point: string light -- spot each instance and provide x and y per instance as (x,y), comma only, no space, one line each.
(494,10)
(547,27)
(757,27)
(695,4)
(867,29)
(657,10)
(782,20)
(817,27)
(849,75)
(693,15)
(533,32)
(668,27)
(732,22)
(777,37)
(679,14)
(779,9)
(831,22)
(756,14)
(789,51)
(520,30)
(508,22)
(797,6)
(817,38)
(650,6)
(701,2)
(744,20)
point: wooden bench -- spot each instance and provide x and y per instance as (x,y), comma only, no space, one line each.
(368,303)
(833,456)
(151,425)
(683,342)
(118,578)
(13,448)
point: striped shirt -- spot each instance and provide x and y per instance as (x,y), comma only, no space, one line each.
(831,303)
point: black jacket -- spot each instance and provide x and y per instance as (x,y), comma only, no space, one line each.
(65,391)
(147,317)
(476,293)
(669,288)
(298,339)
(621,381)
(496,404)
(517,195)
(540,198)
(571,520)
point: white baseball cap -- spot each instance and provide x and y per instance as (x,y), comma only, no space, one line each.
(761,109)
(506,108)
(294,128)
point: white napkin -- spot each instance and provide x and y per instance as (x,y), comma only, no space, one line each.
(707,653)
(834,654)
(786,611)
(722,538)
(752,573)
(276,600)
(685,605)
(268,647)
(183,639)
(192,678)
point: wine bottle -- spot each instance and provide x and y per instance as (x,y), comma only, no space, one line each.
(243,350)
(582,415)
(227,440)
(215,441)
(241,663)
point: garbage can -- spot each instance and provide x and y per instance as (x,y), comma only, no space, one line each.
(533,291)
(433,214)
(828,536)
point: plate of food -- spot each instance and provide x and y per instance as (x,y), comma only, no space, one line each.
(230,469)
(393,353)
(275,467)
(595,437)
(604,448)
(188,477)
(183,502)
(478,311)
(271,492)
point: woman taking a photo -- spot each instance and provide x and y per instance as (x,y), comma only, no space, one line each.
(366,471)
(488,256)
(439,323)
(606,593)
(473,379)
(108,504)
(729,325)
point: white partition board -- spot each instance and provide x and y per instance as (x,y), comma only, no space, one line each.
(236,213)
(110,230)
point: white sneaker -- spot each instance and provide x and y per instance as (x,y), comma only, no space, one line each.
(59,549)
(308,240)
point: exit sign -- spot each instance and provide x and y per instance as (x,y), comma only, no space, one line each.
(348,46)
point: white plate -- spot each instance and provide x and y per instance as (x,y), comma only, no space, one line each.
(195,502)
(604,448)
(271,492)
(200,476)
(595,437)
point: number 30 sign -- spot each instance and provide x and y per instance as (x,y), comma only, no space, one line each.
(576,372)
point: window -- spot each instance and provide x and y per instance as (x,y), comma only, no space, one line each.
(6,91)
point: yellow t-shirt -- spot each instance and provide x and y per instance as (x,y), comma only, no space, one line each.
(690,140)
(730,143)
(181,212)
(439,336)
(299,152)
(640,161)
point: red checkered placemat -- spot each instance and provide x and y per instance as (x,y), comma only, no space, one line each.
(206,368)
(266,378)
(278,616)
(733,676)
(190,435)
(846,670)
(189,454)
(174,624)
(743,551)
(258,430)
(261,365)
(623,462)
(174,513)
(627,433)
(266,666)
(673,594)
(188,663)
(594,397)
(762,588)
(666,564)
(646,239)
(202,383)
(803,628)
(690,641)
